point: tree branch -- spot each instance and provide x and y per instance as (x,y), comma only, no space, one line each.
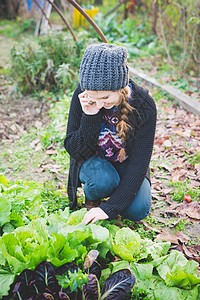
(114,8)
(63,18)
(163,36)
(94,25)
(43,12)
(191,49)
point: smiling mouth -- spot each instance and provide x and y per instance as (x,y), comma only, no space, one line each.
(108,105)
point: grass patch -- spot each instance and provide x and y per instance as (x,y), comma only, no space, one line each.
(193,158)
(53,198)
(183,188)
(140,228)
(12,29)
(22,159)
(181,225)
(19,156)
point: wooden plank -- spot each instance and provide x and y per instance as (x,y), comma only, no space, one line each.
(144,77)
(184,100)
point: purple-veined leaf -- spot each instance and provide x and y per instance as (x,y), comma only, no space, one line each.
(45,296)
(91,290)
(95,269)
(63,296)
(118,285)
(26,277)
(66,267)
(24,285)
(45,277)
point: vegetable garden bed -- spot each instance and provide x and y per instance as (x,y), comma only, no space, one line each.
(32,235)
(41,235)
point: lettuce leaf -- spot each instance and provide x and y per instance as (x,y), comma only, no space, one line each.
(177,271)
(152,250)
(59,216)
(126,244)
(161,291)
(25,247)
(101,237)
(6,279)
(76,217)
(5,207)
(172,275)
(4,183)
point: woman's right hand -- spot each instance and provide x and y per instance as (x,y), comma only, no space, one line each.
(89,107)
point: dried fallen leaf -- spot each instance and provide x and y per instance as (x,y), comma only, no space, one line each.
(193,211)
(52,146)
(38,147)
(184,209)
(51,167)
(167,199)
(35,142)
(175,223)
(183,238)
(168,237)
(191,253)
(38,124)
(167,191)
(51,151)
(176,175)
(149,227)
(13,127)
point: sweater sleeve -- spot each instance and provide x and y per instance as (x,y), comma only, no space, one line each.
(82,130)
(140,157)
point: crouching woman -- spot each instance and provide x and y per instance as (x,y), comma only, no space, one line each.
(110,136)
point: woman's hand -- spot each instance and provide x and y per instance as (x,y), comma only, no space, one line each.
(88,106)
(95,214)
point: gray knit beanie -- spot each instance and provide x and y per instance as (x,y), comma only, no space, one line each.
(104,68)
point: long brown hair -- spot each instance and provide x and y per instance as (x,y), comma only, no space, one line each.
(123,126)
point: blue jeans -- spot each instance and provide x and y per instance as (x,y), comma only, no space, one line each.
(101,178)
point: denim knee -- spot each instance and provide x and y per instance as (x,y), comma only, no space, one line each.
(99,177)
(140,207)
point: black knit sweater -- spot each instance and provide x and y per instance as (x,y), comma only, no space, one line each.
(81,142)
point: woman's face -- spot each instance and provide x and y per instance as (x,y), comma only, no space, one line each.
(106,99)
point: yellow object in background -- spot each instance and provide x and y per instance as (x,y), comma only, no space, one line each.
(79,19)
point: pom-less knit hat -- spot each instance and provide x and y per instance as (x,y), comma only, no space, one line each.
(104,68)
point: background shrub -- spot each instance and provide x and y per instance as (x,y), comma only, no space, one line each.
(51,62)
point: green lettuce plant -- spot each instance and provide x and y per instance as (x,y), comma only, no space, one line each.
(62,237)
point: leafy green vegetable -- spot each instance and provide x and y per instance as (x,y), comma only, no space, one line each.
(59,216)
(176,270)
(123,252)
(16,220)
(172,275)
(173,293)
(26,247)
(5,207)
(3,183)
(76,217)
(152,250)
(127,244)
(32,235)
(6,279)
(73,280)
